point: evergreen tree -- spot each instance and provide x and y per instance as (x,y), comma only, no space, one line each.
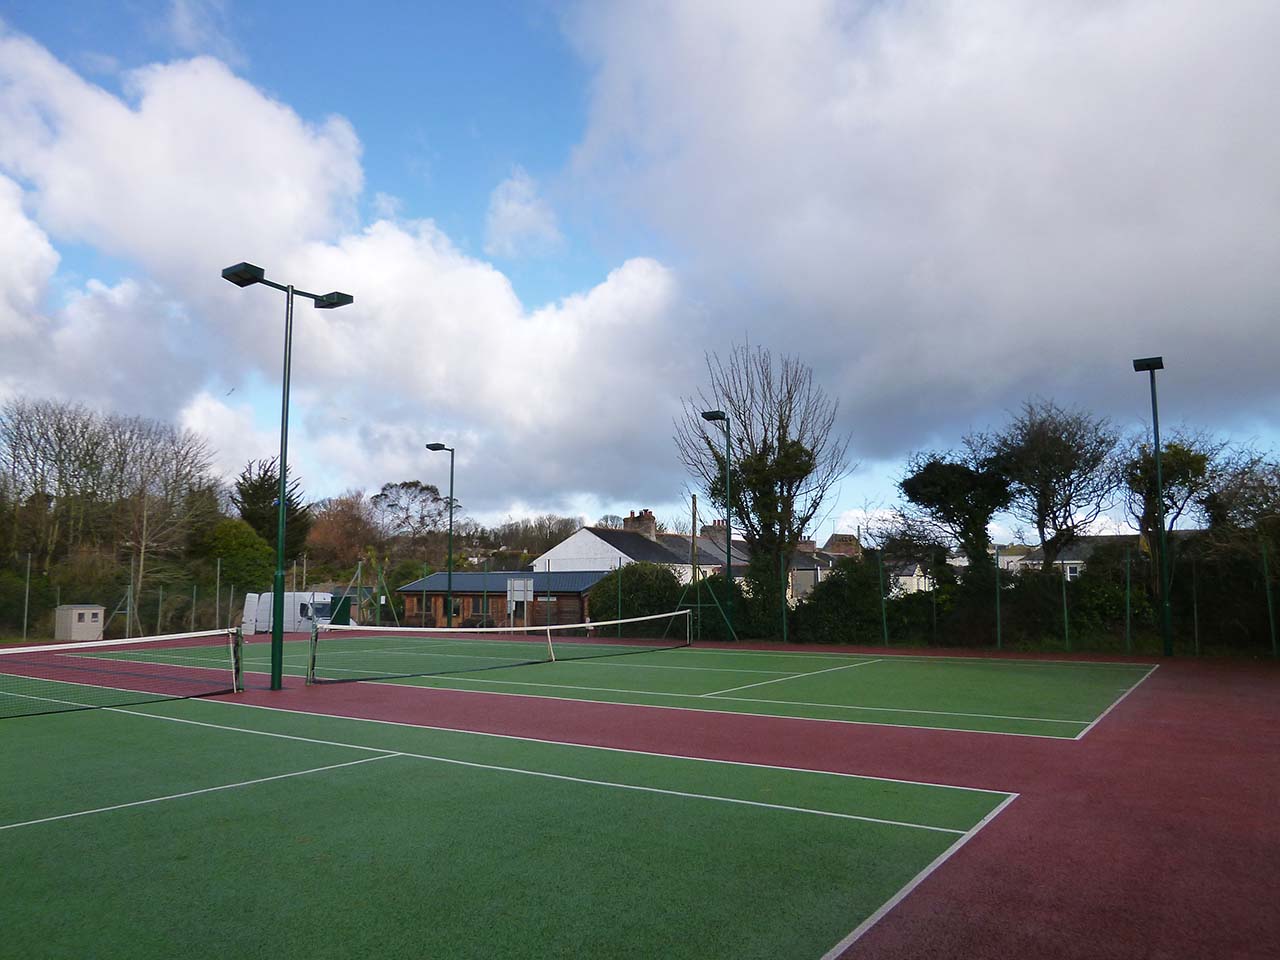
(256,498)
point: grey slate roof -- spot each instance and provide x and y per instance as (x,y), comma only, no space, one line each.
(495,581)
(1081,549)
(710,550)
(637,546)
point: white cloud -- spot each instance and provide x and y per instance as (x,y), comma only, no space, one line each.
(947,207)
(520,222)
(27,262)
(231,429)
(201,26)
(198,169)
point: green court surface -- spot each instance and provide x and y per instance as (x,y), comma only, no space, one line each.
(1060,699)
(207,829)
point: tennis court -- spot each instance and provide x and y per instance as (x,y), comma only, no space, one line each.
(387,817)
(1060,699)
(211,829)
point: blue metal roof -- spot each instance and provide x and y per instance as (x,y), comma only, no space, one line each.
(495,581)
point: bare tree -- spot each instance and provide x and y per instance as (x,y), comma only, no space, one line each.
(345,527)
(784,454)
(1061,471)
(411,509)
(164,466)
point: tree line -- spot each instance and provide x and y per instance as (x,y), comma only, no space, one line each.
(104,507)
(1056,471)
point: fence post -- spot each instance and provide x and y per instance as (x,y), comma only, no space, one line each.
(1266,585)
(159,609)
(128,598)
(618,626)
(193,608)
(782,569)
(1195,607)
(1128,604)
(26,598)
(217,596)
(933,601)
(999,643)
(1066,626)
(884,616)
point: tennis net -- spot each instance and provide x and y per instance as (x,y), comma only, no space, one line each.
(53,678)
(347,653)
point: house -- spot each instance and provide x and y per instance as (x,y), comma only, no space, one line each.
(910,577)
(1074,558)
(638,541)
(607,548)
(480,599)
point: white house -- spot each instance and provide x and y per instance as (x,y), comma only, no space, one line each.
(606,548)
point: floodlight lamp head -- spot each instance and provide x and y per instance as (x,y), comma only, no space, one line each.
(712,415)
(1148,363)
(331,300)
(244,274)
(436,447)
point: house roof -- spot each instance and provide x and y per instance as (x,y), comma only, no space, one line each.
(710,550)
(495,581)
(637,546)
(1082,548)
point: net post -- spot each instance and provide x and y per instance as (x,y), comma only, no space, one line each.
(237,659)
(311,653)
(551,650)
(688,628)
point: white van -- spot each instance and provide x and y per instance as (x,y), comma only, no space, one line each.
(301,611)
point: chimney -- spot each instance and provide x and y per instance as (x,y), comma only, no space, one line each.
(713,530)
(843,544)
(643,523)
(807,546)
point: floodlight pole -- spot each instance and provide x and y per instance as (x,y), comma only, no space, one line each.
(449,579)
(713,416)
(244,275)
(1150,365)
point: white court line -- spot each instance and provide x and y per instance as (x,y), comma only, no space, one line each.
(451,678)
(727,713)
(889,654)
(1098,719)
(595,746)
(194,793)
(794,676)
(544,774)
(918,879)
(630,665)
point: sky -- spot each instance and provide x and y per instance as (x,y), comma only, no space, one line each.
(549,213)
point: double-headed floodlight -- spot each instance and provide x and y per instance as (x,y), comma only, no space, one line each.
(246,275)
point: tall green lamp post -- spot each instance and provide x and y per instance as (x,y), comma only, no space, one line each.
(436,448)
(719,416)
(245,275)
(1150,365)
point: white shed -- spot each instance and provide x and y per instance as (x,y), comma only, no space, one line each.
(75,622)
